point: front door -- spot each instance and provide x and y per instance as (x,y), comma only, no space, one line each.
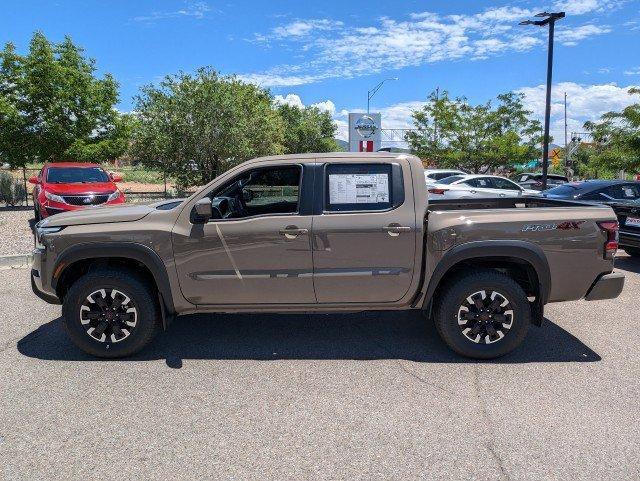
(364,237)
(256,249)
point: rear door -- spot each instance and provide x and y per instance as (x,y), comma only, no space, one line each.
(364,232)
(505,188)
(482,187)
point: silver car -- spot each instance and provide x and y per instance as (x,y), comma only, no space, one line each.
(476,187)
(432,176)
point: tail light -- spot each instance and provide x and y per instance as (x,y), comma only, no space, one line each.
(610,227)
(437,191)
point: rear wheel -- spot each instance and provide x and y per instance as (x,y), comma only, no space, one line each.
(111,313)
(632,251)
(483,315)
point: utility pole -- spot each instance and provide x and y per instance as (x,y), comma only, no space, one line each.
(435,118)
(549,19)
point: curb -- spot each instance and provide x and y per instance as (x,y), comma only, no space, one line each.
(15,261)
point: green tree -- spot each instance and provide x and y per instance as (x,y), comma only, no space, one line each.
(52,107)
(194,127)
(479,138)
(307,130)
(616,140)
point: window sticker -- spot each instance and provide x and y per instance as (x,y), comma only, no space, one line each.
(358,188)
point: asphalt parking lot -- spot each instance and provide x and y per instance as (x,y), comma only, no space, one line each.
(366,396)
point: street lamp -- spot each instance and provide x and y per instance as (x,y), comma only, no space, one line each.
(548,19)
(372,92)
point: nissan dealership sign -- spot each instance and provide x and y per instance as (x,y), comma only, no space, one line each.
(364,132)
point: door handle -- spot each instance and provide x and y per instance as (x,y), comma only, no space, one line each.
(503,195)
(291,231)
(394,229)
(473,191)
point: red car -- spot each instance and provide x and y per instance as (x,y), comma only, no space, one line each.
(65,186)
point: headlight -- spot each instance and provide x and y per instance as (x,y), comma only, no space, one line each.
(114,196)
(41,232)
(54,197)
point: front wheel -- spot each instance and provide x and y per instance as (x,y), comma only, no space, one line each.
(483,315)
(111,313)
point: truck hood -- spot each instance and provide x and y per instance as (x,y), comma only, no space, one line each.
(99,215)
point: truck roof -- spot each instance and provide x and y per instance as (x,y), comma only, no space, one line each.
(343,156)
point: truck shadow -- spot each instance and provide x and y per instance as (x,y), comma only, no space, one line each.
(628,263)
(364,336)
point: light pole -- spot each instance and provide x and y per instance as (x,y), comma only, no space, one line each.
(548,19)
(372,92)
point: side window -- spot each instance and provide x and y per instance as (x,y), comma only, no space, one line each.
(595,195)
(472,182)
(363,187)
(483,183)
(623,192)
(264,191)
(504,184)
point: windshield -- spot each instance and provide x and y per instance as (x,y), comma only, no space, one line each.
(450,179)
(73,175)
(564,190)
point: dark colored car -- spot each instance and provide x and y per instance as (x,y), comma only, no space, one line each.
(534,181)
(621,195)
(66,186)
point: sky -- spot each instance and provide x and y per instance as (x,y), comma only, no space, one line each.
(330,53)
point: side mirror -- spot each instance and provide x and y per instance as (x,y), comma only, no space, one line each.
(33,180)
(202,211)
(116,177)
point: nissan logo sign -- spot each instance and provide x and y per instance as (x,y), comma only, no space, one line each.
(365,126)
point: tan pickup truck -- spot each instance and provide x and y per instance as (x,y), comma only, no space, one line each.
(336,232)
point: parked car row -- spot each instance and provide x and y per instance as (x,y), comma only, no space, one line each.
(468,186)
(621,195)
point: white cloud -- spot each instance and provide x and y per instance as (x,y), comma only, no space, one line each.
(326,106)
(580,7)
(192,9)
(302,28)
(584,102)
(292,100)
(335,50)
(571,36)
(632,71)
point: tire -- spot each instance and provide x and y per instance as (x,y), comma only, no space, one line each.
(465,332)
(100,297)
(632,251)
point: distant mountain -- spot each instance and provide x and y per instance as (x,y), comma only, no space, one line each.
(342,144)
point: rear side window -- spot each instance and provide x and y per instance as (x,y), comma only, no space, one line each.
(503,184)
(623,192)
(481,182)
(441,175)
(363,187)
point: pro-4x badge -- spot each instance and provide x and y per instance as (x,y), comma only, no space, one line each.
(566,225)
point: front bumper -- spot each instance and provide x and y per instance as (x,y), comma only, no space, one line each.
(38,276)
(607,286)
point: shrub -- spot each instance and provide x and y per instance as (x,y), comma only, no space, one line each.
(12,192)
